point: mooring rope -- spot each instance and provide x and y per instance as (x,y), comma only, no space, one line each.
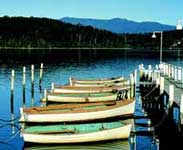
(149,92)
(152,100)
(159,123)
(10,138)
(4,120)
(13,135)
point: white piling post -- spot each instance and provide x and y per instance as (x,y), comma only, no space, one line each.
(133,136)
(169,70)
(141,70)
(32,76)
(129,91)
(175,75)
(179,73)
(157,143)
(131,86)
(24,84)
(171,94)
(181,109)
(162,85)
(45,95)
(135,76)
(41,75)
(32,84)
(12,99)
(149,72)
(52,87)
(70,81)
(182,75)
(157,82)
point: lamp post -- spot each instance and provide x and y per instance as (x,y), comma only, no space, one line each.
(161,43)
(179,27)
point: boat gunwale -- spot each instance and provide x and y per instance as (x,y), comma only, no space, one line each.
(118,104)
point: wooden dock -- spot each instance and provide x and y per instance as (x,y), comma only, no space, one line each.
(170,80)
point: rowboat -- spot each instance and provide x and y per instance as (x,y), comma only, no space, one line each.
(96,81)
(78,112)
(110,84)
(77,133)
(82,98)
(80,90)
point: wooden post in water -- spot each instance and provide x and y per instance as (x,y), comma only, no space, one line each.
(182,75)
(181,109)
(24,85)
(141,70)
(70,81)
(157,144)
(149,72)
(157,82)
(170,70)
(165,101)
(133,136)
(175,75)
(41,76)
(164,69)
(132,82)
(12,100)
(32,84)
(129,91)
(52,87)
(171,94)
(45,95)
(135,76)
(167,69)
(179,73)
(162,85)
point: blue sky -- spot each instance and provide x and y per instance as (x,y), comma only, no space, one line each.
(163,11)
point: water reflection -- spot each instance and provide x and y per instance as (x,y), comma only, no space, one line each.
(110,145)
(60,73)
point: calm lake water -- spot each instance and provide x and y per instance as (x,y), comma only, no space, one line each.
(59,73)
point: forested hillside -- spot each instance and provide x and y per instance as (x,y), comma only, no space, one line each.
(49,33)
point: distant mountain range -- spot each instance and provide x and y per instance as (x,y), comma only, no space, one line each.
(118,25)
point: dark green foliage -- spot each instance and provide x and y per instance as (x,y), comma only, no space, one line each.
(48,33)
(43,32)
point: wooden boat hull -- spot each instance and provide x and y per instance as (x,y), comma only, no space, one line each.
(119,110)
(80,90)
(82,99)
(120,83)
(122,132)
(96,81)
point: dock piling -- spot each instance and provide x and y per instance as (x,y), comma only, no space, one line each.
(32,84)
(52,87)
(157,144)
(41,76)
(171,94)
(132,82)
(179,73)
(12,100)
(181,108)
(45,94)
(175,74)
(162,85)
(70,81)
(23,85)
